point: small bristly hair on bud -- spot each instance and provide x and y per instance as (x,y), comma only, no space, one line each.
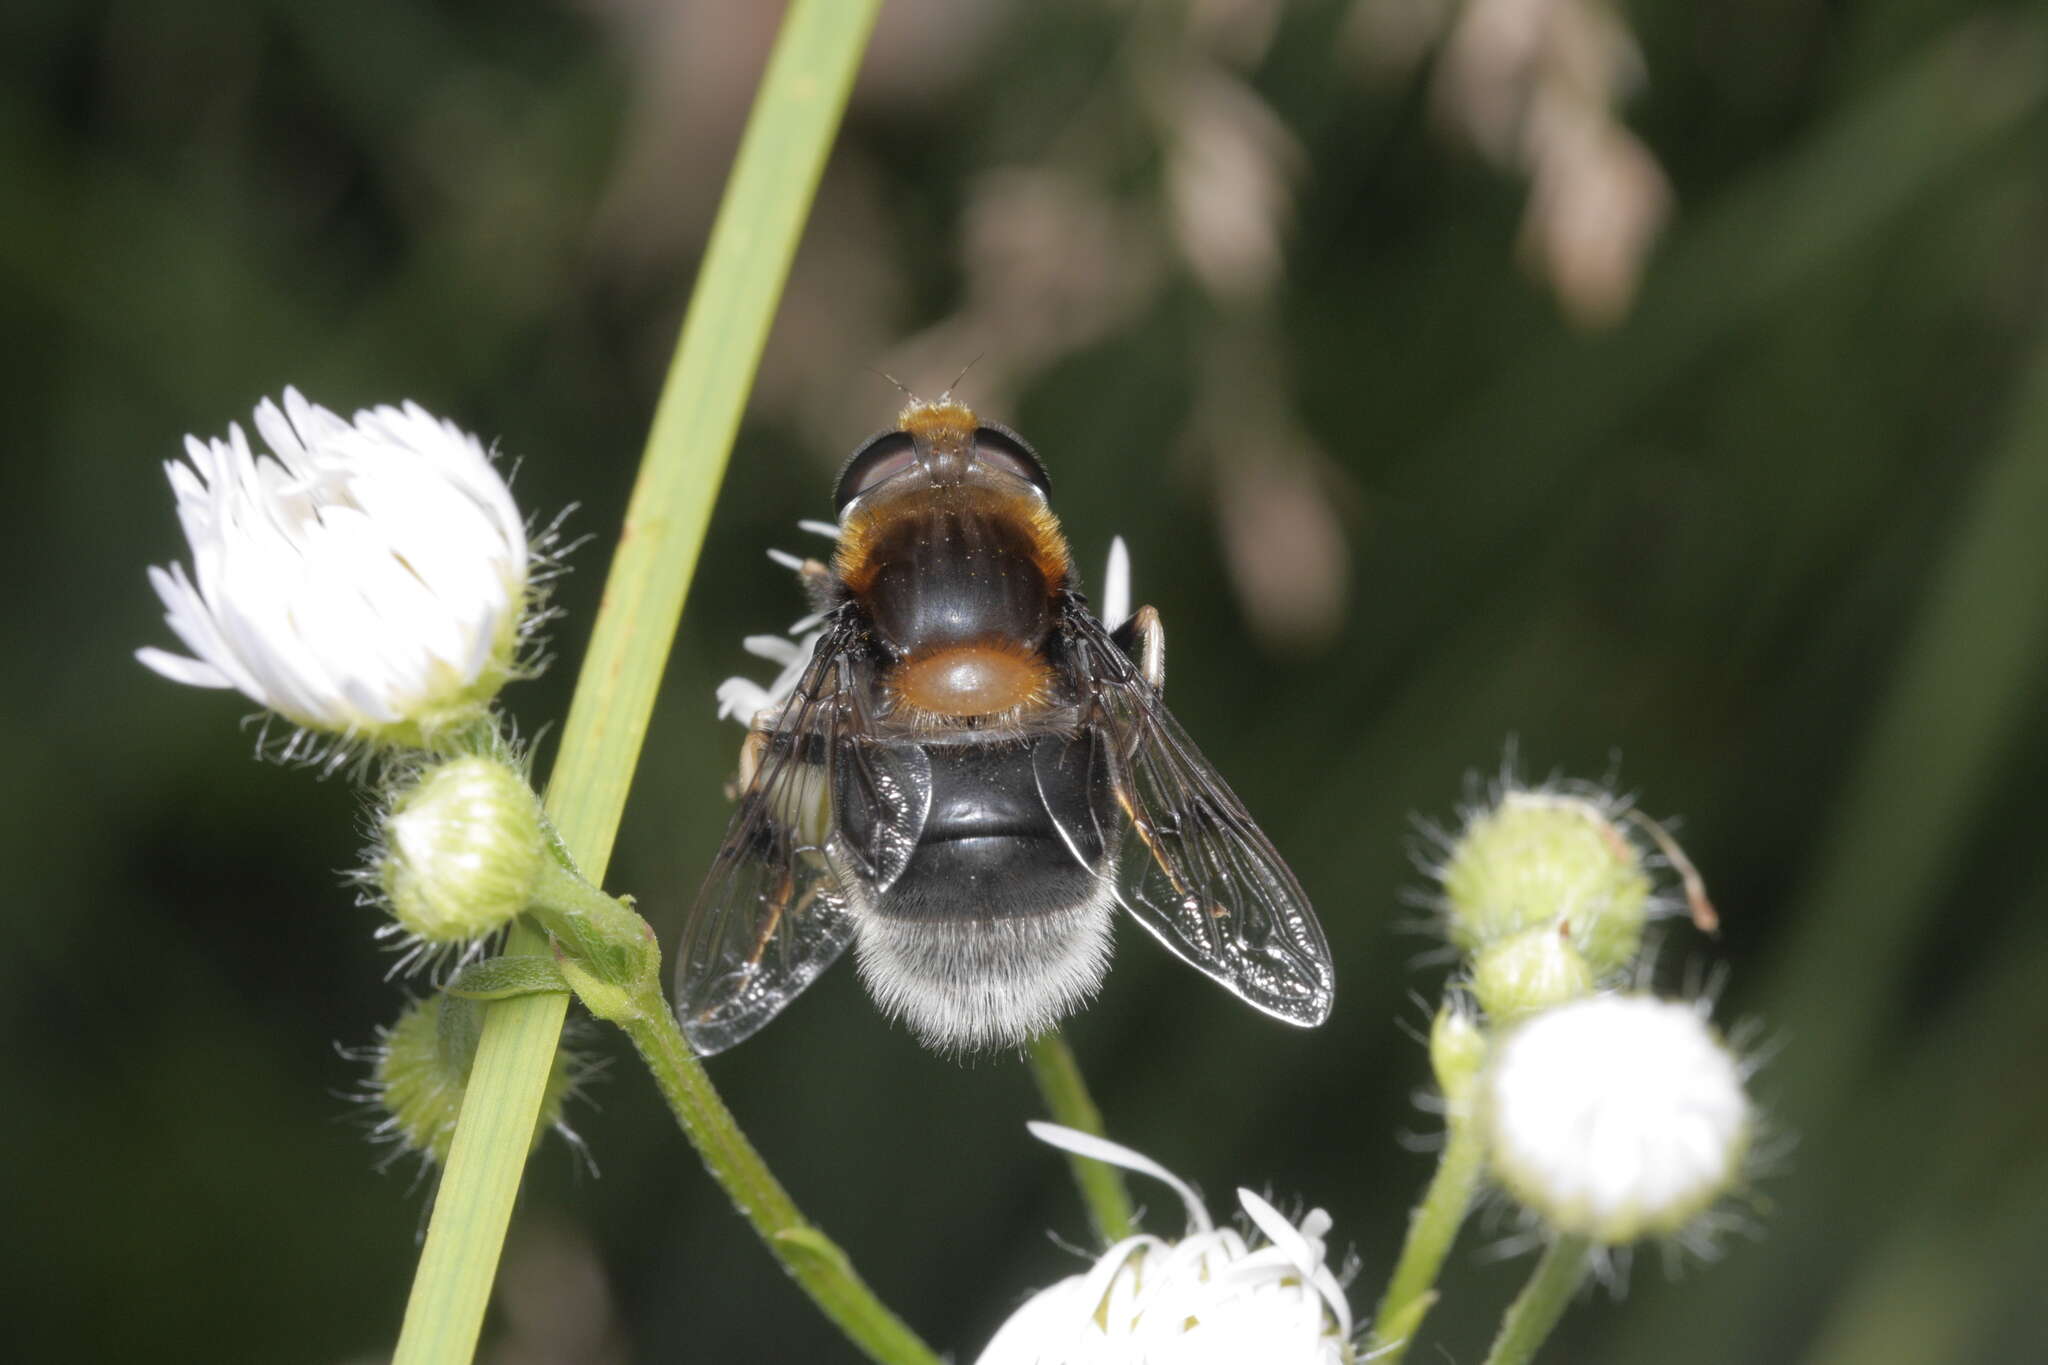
(457,847)
(417,1072)
(1573,858)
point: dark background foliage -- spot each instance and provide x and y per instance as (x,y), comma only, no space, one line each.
(1767,549)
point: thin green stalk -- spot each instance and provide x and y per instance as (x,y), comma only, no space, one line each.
(1066,1098)
(775,176)
(1434,1225)
(1542,1302)
(812,1258)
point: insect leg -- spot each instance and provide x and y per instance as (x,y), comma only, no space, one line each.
(818,584)
(777,908)
(1143,637)
(752,749)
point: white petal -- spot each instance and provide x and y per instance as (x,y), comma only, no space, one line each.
(1116,585)
(178,668)
(1102,1149)
(1303,1250)
(777,649)
(741,699)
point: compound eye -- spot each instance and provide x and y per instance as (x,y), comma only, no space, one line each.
(881,457)
(1003,449)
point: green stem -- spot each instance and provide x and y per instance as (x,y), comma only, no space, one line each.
(775,176)
(609,957)
(1067,1100)
(1434,1225)
(1542,1302)
(812,1258)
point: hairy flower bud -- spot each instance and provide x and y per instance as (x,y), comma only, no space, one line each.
(420,1069)
(1615,1117)
(463,848)
(1527,973)
(1549,860)
(1457,1050)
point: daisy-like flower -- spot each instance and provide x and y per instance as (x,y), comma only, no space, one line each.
(749,702)
(366,579)
(1211,1298)
(1616,1117)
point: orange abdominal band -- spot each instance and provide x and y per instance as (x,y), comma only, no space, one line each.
(985,678)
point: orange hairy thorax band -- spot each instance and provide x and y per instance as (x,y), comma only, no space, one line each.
(983,678)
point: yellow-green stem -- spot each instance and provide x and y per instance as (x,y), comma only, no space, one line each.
(1067,1100)
(1542,1302)
(775,176)
(1432,1228)
(813,1259)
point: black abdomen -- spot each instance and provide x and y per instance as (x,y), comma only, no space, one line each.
(993,845)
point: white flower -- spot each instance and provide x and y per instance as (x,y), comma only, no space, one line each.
(1208,1299)
(364,578)
(1616,1116)
(748,702)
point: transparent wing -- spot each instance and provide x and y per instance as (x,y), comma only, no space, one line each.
(1193,867)
(828,812)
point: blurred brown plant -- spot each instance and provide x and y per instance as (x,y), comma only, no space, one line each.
(1533,86)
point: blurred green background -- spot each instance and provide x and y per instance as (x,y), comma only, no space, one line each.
(1662,387)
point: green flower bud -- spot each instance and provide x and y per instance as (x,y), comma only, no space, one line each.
(463,848)
(420,1069)
(1532,971)
(1548,860)
(1457,1050)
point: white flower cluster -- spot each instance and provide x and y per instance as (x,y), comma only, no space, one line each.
(365,579)
(1211,1298)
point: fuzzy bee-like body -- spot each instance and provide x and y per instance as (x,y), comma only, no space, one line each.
(971,775)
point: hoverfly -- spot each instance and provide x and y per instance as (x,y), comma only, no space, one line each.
(971,772)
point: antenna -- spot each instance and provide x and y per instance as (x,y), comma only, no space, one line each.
(960,376)
(900,386)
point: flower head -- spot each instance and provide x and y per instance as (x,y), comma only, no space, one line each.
(462,848)
(364,578)
(1526,973)
(1457,1048)
(750,703)
(1209,1297)
(1615,1117)
(1554,860)
(419,1073)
